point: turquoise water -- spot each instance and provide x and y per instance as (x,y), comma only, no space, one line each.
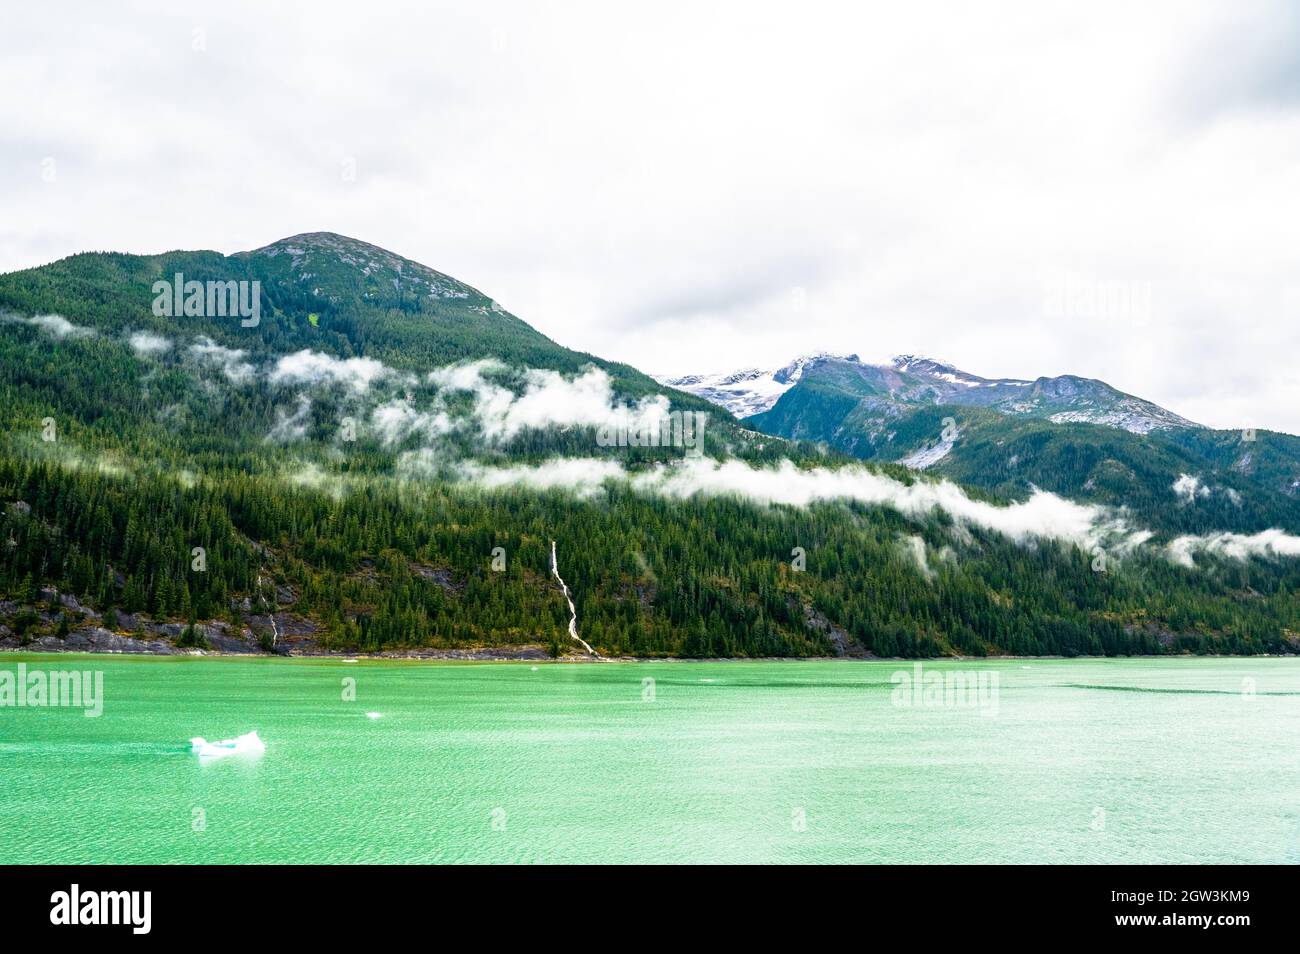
(1172,760)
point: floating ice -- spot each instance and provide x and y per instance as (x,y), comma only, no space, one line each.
(374,715)
(247,744)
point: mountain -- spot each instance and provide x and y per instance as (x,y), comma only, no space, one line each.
(383,459)
(911,381)
(746,393)
(320,290)
(1074,436)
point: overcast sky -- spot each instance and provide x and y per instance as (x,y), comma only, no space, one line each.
(1031,188)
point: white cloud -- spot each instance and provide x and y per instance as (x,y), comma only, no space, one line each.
(418,464)
(1188,487)
(913,548)
(55,325)
(309,474)
(1237,546)
(146,343)
(467,376)
(872,178)
(1042,516)
(231,361)
(291,425)
(314,368)
(548,399)
(583,476)
(396,420)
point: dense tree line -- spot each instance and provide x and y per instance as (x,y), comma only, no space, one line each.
(386,565)
(114,468)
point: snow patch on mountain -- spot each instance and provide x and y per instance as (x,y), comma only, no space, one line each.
(1131,414)
(752,391)
(914,380)
(927,456)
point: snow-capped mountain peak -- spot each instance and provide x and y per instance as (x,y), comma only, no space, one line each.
(754,390)
(793,371)
(912,380)
(919,362)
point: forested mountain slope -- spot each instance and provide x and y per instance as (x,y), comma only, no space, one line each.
(384,459)
(1075,437)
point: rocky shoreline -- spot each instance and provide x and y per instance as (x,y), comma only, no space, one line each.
(136,634)
(99,640)
(118,644)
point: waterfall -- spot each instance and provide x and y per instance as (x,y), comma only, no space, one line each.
(573,610)
(275,630)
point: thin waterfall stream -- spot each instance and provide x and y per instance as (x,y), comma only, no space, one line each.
(573,610)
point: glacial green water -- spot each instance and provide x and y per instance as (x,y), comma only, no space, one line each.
(1172,760)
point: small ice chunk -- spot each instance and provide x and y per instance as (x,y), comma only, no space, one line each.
(247,744)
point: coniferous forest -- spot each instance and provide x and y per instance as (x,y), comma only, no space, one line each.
(172,471)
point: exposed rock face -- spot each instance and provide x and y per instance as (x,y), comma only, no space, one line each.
(71,603)
(132,633)
(136,633)
(93,639)
(841,640)
(437,575)
(220,636)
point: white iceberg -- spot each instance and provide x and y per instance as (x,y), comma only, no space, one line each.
(247,744)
